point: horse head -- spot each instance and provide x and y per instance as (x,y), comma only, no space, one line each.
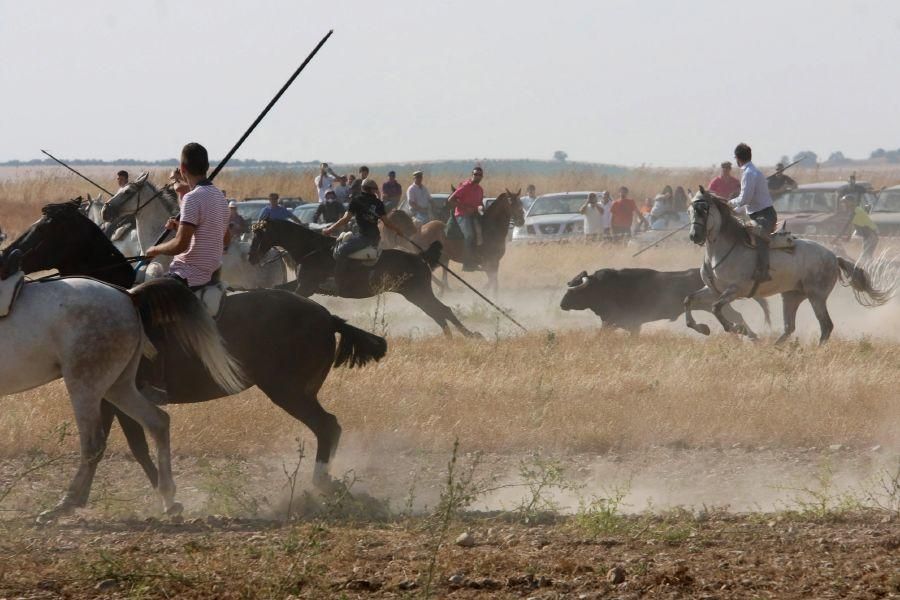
(263,240)
(516,207)
(128,199)
(61,234)
(699,213)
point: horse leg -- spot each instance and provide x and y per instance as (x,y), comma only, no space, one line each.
(89,420)
(790,302)
(820,307)
(137,443)
(727,296)
(737,318)
(155,421)
(704,295)
(437,310)
(307,409)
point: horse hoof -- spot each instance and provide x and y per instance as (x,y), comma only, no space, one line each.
(702,328)
(49,516)
(175,510)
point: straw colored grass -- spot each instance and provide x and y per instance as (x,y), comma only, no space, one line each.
(577,391)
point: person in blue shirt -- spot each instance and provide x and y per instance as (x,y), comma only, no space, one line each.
(276,212)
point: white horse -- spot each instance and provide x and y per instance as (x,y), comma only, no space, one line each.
(153,207)
(93,336)
(807,271)
(124,238)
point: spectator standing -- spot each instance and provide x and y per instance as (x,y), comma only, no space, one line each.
(330,210)
(391,192)
(863,226)
(624,211)
(237,226)
(419,199)
(606,203)
(724,185)
(276,212)
(529,197)
(342,190)
(356,185)
(324,180)
(593,218)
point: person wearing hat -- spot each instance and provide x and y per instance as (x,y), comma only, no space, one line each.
(779,183)
(862,224)
(237,225)
(419,199)
(724,185)
(391,192)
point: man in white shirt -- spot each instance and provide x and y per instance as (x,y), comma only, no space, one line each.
(755,199)
(593,218)
(605,202)
(324,180)
(419,199)
(529,197)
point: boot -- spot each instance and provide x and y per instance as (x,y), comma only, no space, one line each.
(762,260)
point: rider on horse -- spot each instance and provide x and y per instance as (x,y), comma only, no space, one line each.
(368,209)
(201,234)
(755,198)
(466,201)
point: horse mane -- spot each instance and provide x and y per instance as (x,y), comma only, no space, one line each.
(58,209)
(731,224)
(282,227)
(403,221)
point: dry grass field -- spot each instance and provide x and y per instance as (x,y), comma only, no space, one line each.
(702,467)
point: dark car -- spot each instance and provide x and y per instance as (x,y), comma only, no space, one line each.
(815,209)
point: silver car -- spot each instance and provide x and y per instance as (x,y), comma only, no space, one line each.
(553,217)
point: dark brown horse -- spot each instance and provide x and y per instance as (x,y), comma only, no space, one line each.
(495,227)
(396,271)
(285,344)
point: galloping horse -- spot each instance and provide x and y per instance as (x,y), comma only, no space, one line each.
(285,344)
(123,232)
(152,208)
(93,335)
(807,271)
(396,271)
(495,227)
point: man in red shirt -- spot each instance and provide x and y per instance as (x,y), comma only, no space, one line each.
(466,202)
(725,186)
(623,210)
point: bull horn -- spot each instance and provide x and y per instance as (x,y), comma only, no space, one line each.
(584,282)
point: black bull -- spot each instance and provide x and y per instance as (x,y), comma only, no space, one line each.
(628,298)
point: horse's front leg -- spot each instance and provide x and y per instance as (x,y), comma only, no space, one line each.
(704,296)
(724,300)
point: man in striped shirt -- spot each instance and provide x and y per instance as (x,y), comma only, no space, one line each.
(201,235)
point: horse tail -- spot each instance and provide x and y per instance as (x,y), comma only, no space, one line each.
(432,256)
(764,305)
(166,305)
(357,347)
(872,286)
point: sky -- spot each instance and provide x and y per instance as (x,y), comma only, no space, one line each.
(627,82)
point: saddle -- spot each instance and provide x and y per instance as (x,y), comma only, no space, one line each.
(368,256)
(780,240)
(211,296)
(12,279)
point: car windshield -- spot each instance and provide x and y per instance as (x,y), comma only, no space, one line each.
(819,201)
(305,212)
(557,205)
(888,202)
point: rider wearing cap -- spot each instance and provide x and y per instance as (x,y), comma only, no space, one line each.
(755,198)
(779,183)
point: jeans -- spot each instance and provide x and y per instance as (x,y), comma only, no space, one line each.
(356,243)
(766,219)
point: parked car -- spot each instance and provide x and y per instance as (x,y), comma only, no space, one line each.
(886,211)
(814,208)
(250,209)
(553,217)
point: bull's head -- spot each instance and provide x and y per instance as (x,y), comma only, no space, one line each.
(576,297)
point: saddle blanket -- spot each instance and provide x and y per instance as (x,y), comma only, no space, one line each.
(211,297)
(9,291)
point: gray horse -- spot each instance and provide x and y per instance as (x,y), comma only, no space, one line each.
(807,272)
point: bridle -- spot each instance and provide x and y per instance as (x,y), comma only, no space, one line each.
(707,239)
(135,187)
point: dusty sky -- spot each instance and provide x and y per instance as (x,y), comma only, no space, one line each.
(623,81)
